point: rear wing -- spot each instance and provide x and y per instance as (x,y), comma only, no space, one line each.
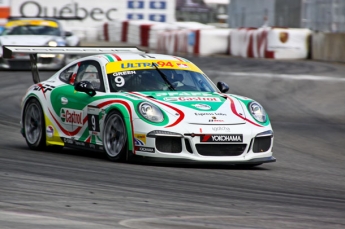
(8,51)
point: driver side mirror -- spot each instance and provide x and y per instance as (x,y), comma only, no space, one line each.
(223,87)
(85,86)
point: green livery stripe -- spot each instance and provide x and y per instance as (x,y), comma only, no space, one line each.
(109,57)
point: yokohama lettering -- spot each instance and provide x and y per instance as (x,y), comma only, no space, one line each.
(228,138)
(222,138)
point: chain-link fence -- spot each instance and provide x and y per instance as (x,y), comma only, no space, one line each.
(318,15)
(323,15)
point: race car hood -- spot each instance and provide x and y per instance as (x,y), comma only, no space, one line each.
(29,40)
(202,107)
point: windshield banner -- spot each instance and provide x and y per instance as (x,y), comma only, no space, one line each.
(144,64)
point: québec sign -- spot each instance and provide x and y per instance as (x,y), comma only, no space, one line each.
(92,12)
(84,11)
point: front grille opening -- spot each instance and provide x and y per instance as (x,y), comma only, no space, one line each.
(262,144)
(188,147)
(220,149)
(169,144)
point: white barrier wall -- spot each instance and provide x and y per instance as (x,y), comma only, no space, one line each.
(289,43)
(268,42)
(199,39)
(214,41)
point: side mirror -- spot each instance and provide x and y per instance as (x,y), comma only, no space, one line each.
(85,86)
(68,33)
(223,87)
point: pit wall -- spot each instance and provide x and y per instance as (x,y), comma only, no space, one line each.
(199,39)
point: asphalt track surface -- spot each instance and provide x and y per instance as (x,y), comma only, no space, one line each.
(305,188)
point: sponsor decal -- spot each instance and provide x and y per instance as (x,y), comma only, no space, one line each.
(188,99)
(214,119)
(283,37)
(222,138)
(146,64)
(71,116)
(50,131)
(140,139)
(43,87)
(71,142)
(202,106)
(207,113)
(68,141)
(183,93)
(124,73)
(77,143)
(221,129)
(145,149)
(182,65)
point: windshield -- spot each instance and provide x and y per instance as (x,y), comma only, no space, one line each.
(29,29)
(152,80)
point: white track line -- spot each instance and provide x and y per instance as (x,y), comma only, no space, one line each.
(280,76)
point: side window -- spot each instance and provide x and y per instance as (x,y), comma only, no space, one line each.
(91,71)
(66,75)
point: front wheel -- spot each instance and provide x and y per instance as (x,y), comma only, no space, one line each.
(34,125)
(115,136)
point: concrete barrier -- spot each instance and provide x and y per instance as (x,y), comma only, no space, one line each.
(328,47)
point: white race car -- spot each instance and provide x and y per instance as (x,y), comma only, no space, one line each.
(36,32)
(128,103)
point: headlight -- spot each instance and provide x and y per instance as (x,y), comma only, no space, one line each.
(52,43)
(150,112)
(257,111)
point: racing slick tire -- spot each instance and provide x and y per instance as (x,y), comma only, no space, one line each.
(34,125)
(115,137)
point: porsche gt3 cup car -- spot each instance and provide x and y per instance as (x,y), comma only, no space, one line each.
(35,32)
(128,103)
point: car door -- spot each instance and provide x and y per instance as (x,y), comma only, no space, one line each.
(79,115)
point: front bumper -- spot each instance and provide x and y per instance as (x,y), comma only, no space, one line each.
(186,145)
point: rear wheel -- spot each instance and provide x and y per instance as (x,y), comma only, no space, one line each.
(115,137)
(34,125)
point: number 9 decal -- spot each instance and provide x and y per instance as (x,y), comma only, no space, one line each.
(93,122)
(120,81)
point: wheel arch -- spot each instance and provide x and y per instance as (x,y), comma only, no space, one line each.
(126,115)
(25,103)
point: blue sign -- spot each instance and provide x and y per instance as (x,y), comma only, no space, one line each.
(135,16)
(157,17)
(132,4)
(191,38)
(158,5)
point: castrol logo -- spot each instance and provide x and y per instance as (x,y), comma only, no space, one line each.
(71,116)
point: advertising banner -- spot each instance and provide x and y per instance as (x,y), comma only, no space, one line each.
(93,13)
